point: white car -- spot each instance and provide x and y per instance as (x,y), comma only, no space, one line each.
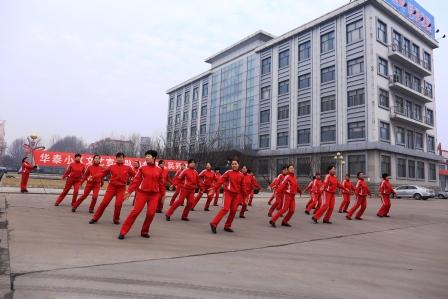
(414,191)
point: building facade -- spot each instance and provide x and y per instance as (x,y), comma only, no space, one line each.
(358,81)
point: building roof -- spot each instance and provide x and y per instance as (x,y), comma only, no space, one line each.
(189,81)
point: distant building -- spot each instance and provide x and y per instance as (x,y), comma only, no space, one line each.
(2,138)
(443,169)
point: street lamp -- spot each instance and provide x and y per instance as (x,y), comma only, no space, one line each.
(33,145)
(339,164)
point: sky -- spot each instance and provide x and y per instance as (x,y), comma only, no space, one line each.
(99,68)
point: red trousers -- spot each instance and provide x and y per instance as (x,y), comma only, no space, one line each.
(201,192)
(289,207)
(385,206)
(111,191)
(161,201)
(151,200)
(184,194)
(278,203)
(244,202)
(345,202)
(89,187)
(231,202)
(326,208)
(24,181)
(176,193)
(361,202)
(251,197)
(68,185)
(215,202)
(272,197)
(314,203)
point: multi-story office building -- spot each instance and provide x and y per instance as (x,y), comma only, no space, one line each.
(358,80)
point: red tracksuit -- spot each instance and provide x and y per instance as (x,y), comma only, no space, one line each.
(119,175)
(329,187)
(273,186)
(316,196)
(256,186)
(166,179)
(289,188)
(278,203)
(233,182)
(217,178)
(26,169)
(92,184)
(346,195)
(149,183)
(176,185)
(206,180)
(361,192)
(189,179)
(74,175)
(385,192)
(249,184)
(308,189)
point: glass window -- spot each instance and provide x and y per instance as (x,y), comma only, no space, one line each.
(328,133)
(356,130)
(429,117)
(411,169)
(384,131)
(204,110)
(179,100)
(304,136)
(407,47)
(282,139)
(396,37)
(354,31)
(194,114)
(193,131)
(265,116)
(431,146)
(381,32)
(400,136)
(280,164)
(384,98)
(417,112)
(168,136)
(171,103)
(264,141)
(205,90)
(420,170)
(187,98)
(304,166)
(202,129)
(266,66)
(427,60)
(184,133)
(355,66)
(327,42)
(385,164)
(304,108)
(355,97)
(325,162)
(263,167)
(266,93)
(195,93)
(410,139)
(383,68)
(356,163)
(304,50)
(415,53)
(328,103)
(432,172)
(177,119)
(305,81)
(283,87)
(327,74)
(185,116)
(428,89)
(283,59)
(283,112)
(418,140)
(401,168)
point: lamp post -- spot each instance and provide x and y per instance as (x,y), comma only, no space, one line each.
(339,158)
(33,144)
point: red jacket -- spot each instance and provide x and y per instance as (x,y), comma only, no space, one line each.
(250,183)
(330,184)
(316,187)
(361,188)
(233,181)
(217,178)
(149,178)
(90,173)
(289,185)
(309,186)
(74,171)
(277,181)
(348,186)
(386,188)
(176,177)
(189,179)
(165,176)
(27,167)
(119,174)
(207,178)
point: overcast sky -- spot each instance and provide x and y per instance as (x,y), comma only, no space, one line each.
(96,68)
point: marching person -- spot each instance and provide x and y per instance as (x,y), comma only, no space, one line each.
(217,191)
(148,183)
(273,186)
(347,183)
(249,184)
(136,166)
(25,175)
(189,181)
(361,192)
(92,184)
(278,203)
(255,186)
(206,180)
(233,182)
(176,183)
(308,189)
(73,174)
(289,187)
(166,179)
(386,191)
(316,195)
(119,174)
(328,187)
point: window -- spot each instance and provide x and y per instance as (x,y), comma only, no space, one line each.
(281,163)
(176,136)
(304,108)
(401,168)
(385,164)
(327,74)
(384,98)
(356,163)
(304,51)
(325,162)
(304,166)
(427,91)
(355,97)
(265,116)
(407,47)
(263,166)
(419,141)
(283,59)
(193,131)
(282,139)
(187,98)
(432,172)
(202,129)
(177,121)
(179,100)
(283,87)
(328,103)
(184,133)
(427,60)
(355,66)
(195,93)
(399,105)
(410,139)
(171,103)
(400,136)
(204,90)
(357,130)
(411,169)
(420,170)
(266,93)
(384,131)
(194,114)
(429,117)
(431,144)
(204,110)
(354,31)
(170,121)
(283,112)
(305,81)
(303,136)
(169,136)
(264,141)
(415,53)
(418,112)
(383,67)
(185,117)
(327,42)
(266,66)
(328,133)
(381,32)
(396,37)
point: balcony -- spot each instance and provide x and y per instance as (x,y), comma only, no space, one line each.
(399,113)
(403,56)
(410,89)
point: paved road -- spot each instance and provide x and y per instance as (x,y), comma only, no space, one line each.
(56,254)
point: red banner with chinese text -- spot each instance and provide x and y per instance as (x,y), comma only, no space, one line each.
(63,159)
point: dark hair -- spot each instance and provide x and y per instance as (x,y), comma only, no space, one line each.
(77,155)
(119,154)
(347,174)
(289,165)
(245,166)
(208,163)
(249,170)
(217,169)
(359,172)
(231,160)
(385,175)
(317,173)
(138,162)
(160,162)
(96,155)
(152,153)
(191,161)
(330,168)
(24,158)
(314,177)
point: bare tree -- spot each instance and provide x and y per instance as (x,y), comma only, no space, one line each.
(68,144)
(17,152)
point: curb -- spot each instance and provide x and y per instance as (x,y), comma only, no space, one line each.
(5,270)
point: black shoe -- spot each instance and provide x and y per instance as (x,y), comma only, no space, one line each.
(185,219)
(192,209)
(56,204)
(73,210)
(215,205)
(340,211)
(206,209)
(91,211)
(307,212)
(358,218)
(380,216)
(314,219)
(120,237)
(26,190)
(242,216)
(286,224)
(22,191)
(348,217)
(159,211)
(145,236)
(386,216)
(228,229)
(250,205)
(213,228)
(92,221)
(327,222)
(167,218)
(272,223)
(116,222)
(269,214)
(345,211)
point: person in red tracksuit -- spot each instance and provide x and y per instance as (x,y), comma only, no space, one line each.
(386,191)
(148,183)
(328,187)
(207,178)
(289,187)
(26,169)
(189,179)
(255,186)
(136,166)
(249,184)
(361,192)
(308,189)
(278,203)
(119,175)
(316,195)
(176,183)
(346,195)
(233,182)
(217,191)
(92,184)
(166,179)
(273,186)
(73,175)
